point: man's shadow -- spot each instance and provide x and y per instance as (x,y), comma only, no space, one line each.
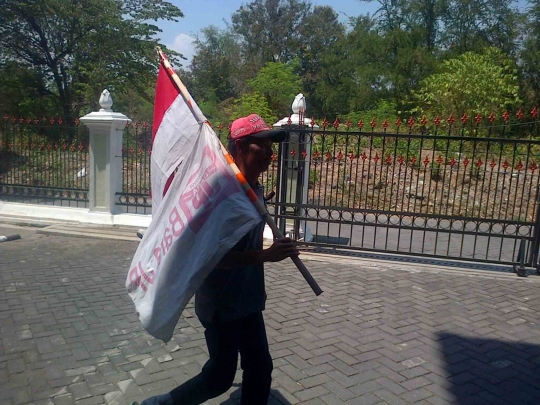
(276,398)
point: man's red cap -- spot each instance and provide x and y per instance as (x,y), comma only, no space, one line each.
(253,125)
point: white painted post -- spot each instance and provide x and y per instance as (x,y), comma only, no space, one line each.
(297,119)
(106,128)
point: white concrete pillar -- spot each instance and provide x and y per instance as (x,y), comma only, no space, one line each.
(297,119)
(106,128)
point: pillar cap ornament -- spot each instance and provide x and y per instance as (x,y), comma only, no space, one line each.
(298,116)
(105,101)
(105,119)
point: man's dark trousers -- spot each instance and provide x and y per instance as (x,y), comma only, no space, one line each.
(225,340)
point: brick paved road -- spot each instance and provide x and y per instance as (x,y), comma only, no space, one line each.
(382,333)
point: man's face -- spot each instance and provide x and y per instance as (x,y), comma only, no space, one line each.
(257,154)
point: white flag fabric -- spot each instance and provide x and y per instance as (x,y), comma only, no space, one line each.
(202,215)
(173,134)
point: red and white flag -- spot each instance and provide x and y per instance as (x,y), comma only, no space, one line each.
(172,119)
(200,211)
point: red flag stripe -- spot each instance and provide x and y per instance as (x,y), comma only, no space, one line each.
(168,92)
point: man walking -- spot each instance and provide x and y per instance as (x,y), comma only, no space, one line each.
(230,302)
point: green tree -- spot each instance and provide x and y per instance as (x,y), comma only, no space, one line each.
(423,17)
(530,56)
(136,106)
(252,103)
(454,26)
(279,84)
(471,83)
(22,92)
(357,71)
(406,63)
(320,31)
(472,25)
(79,47)
(216,66)
(409,32)
(270,30)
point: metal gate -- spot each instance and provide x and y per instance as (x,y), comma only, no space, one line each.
(44,161)
(466,192)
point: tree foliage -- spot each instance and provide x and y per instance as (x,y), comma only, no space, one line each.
(471,25)
(353,76)
(78,47)
(321,31)
(252,103)
(472,82)
(270,30)
(279,84)
(22,91)
(454,26)
(445,56)
(216,65)
(530,55)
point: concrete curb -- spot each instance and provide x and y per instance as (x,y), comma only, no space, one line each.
(29,222)
(8,238)
(38,213)
(86,231)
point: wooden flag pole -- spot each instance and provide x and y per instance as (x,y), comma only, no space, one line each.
(245,185)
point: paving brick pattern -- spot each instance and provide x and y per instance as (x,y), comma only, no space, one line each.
(382,332)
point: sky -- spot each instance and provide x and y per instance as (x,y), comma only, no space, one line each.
(202,13)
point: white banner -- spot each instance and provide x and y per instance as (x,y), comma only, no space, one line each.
(202,216)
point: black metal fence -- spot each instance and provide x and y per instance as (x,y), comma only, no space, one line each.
(43,161)
(464,191)
(136,152)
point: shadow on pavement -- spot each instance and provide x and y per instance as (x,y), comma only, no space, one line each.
(487,371)
(276,398)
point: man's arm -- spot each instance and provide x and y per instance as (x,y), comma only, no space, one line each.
(280,250)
